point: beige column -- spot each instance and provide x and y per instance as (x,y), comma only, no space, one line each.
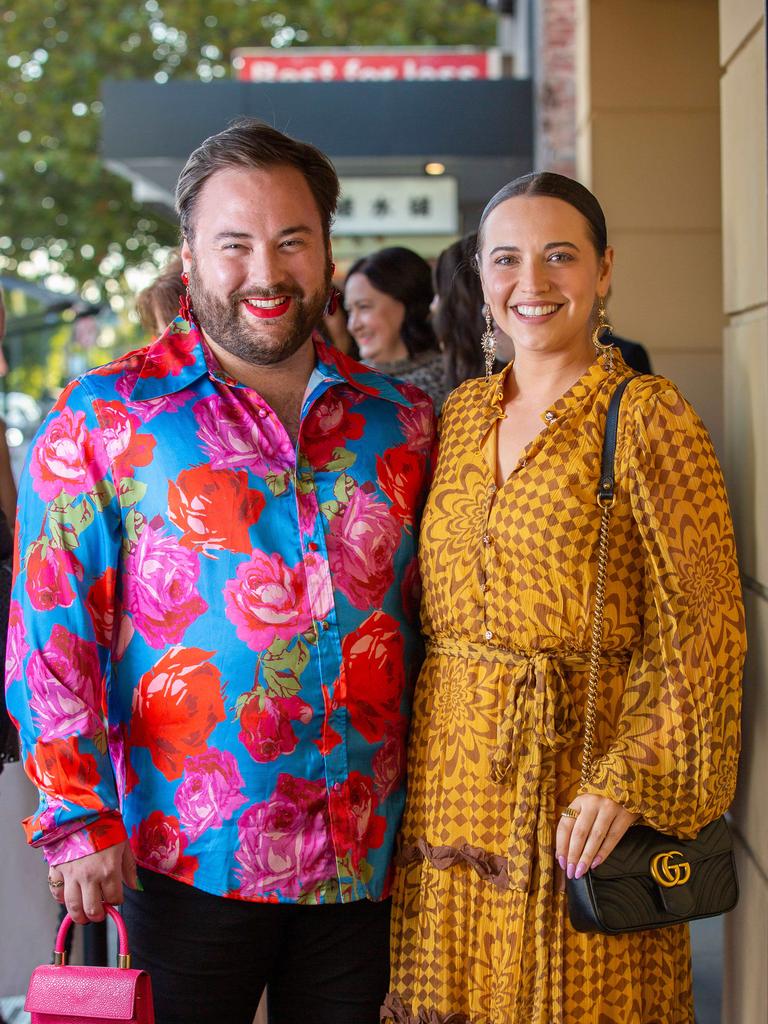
(648,145)
(745,295)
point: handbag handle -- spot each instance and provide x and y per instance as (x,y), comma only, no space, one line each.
(606,497)
(123,956)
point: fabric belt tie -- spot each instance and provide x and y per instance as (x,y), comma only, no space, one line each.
(538,719)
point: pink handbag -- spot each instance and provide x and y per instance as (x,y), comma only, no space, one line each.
(61,994)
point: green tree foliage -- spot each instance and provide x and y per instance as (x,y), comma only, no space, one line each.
(61,211)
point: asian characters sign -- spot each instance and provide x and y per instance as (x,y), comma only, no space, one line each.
(397,206)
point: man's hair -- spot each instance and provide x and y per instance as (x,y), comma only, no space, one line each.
(161,297)
(251,143)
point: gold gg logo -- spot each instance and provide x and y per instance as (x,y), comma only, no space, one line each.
(670,873)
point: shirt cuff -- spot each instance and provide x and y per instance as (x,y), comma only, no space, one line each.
(106,831)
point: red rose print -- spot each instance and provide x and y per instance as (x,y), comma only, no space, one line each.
(159,843)
(61,759)
(100,604)
(214,508)
(118,437)
(265,725)
(48,569)
(374,671)
(356,828)
(176,706)
(329,424)
(401,477)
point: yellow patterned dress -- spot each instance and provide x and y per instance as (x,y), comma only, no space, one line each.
(480,928)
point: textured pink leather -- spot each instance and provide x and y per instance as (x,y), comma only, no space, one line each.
(122,934)
(89,995)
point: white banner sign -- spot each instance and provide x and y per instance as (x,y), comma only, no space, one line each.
(397,206)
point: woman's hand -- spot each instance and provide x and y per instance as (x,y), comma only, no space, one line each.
(585,841)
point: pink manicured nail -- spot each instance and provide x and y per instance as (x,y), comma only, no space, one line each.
(571,870)
(561,862)
(580,870)
(595,863)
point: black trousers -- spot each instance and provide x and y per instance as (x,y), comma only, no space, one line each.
(210,957)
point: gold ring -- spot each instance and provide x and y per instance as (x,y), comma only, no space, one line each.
(569,812)
(55,885)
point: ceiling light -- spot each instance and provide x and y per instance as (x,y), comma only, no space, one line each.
(434,167)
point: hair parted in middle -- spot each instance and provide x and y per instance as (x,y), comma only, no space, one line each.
(554,186)
(404,275)
(249,142)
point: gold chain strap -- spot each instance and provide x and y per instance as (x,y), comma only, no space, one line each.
(596,646)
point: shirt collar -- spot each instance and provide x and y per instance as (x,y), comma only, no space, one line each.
(177,359)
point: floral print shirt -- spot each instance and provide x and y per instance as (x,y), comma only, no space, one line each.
(213,634)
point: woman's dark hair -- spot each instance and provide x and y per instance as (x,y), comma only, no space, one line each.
(556,186)
(459,322)
(251,143)
(405,276)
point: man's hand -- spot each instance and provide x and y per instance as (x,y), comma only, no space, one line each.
(93,880)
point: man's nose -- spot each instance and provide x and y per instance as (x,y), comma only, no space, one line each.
(265,269)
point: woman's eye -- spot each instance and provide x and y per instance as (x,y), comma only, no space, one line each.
(503,261)
(560,257)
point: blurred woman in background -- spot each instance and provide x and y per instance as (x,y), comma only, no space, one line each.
(387,296)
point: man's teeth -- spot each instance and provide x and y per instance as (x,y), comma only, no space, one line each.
(535,310)
(267,303)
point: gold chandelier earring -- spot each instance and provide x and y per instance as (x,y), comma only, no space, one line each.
(488,342)
(603,348)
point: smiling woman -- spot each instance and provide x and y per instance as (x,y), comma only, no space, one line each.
(496,811)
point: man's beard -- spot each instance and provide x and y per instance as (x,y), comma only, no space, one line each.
(225,322)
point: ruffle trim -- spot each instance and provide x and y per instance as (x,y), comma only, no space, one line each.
(489,866)
(394,1010)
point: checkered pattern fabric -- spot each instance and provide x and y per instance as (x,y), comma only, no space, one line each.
(481,934)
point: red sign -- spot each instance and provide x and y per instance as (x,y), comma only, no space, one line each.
(352,65)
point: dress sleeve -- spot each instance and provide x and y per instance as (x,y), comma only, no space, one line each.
(60,631)
(675,754)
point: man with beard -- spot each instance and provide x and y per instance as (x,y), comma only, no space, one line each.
(213,634)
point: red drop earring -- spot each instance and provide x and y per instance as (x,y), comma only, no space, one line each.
(185,300)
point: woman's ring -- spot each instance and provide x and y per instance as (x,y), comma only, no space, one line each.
(569,812)
(55,885)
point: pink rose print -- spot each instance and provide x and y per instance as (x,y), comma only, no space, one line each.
(17,648)
(285,845)
(389,764)
(47,581)
(265,725)
(161,588)
(238,433)
(209,792)
(159,844)
(118,438)
(63,679)
(63,459)
(418,425)
(268,600)
(361,549)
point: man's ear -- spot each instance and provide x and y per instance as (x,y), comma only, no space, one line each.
(186,254)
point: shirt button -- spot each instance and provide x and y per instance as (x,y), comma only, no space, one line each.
(324,625)
(488,635)
(486,540)
(549,417)
(262,413)
(337,787)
